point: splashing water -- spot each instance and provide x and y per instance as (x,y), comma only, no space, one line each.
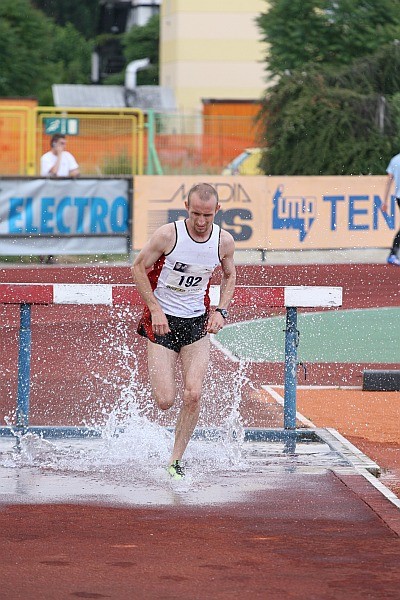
(232,432)
(133,445)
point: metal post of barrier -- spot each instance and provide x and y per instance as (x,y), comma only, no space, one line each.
(291,341)
(24,366)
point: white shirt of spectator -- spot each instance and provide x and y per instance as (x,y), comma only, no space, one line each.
(67,164)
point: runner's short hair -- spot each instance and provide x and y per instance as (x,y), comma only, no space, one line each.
(205,191)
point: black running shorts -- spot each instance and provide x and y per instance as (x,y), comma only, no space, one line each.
(183,331)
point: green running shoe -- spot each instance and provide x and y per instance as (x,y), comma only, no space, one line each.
(176,470)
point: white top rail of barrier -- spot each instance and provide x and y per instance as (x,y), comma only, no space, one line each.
(127,294)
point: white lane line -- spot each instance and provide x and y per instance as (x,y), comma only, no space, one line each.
(222,349)
(321,387)
(281,401)
(385,491)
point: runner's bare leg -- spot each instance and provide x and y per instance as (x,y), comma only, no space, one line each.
(162,364)
(195,359)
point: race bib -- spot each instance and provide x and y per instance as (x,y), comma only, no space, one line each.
(188,279)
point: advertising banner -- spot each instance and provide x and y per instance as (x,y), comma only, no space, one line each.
(57,216)
(276,213)
(328,212)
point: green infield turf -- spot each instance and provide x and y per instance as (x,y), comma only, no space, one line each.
(360,336)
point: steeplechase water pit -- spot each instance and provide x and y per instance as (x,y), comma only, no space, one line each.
(107,450)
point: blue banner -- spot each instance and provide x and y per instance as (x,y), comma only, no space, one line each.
(62,210)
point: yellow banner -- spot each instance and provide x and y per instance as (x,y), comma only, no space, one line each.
(286,213)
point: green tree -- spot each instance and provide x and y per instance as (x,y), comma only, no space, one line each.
(333,108)
(23,60)
(81,14)
(319,123)
(325,32)
(71,55)
(36,53)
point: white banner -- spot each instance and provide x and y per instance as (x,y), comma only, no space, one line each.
(64,216)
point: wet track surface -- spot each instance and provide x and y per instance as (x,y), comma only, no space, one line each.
(79,471)
(300,526)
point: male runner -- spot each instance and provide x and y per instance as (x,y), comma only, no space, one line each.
(172,274)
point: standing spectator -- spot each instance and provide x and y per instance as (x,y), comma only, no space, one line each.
(393,172)
(58,162)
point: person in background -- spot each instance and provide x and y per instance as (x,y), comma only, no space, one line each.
(58,162)
(172,274)
(393,172)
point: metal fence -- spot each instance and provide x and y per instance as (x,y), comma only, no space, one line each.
(191,144)
(112,142)
(104,141)
(15,140)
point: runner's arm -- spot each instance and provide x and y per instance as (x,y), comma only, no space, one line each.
(161,242)
(389,182)
(228,281)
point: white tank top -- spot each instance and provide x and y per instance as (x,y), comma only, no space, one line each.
(181,279)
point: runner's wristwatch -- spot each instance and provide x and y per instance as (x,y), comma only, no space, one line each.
(223,312)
